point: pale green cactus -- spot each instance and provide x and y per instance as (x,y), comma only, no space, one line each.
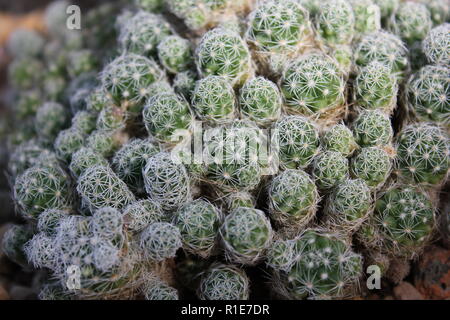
(98,99)
(156,289)
(51,118)
(329,169)
(297,140)
(184,83)
(175,54)
(423,154)
(427,94)
(25,43)
(25,73)
(373,165)
(335,22)
(339,138)
(68,142)
(103,142)
(84,121)
(367,16)
(373,128)
(81,61)
(411,21)
(222,52)
(439,10)
(199,223)
(27,103)
(387,8)
(111,119)
(83,159)
(141,214)
(313,84)
(49,220)
(293,199)
(150,5)
(160,241)
(214,99)
(246,234)
(260,101)
(436,45)
(26,155)
(166,116)
(224,282)
(235,200)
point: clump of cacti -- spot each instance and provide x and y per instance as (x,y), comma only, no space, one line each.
(170,147)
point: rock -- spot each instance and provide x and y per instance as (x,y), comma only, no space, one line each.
(3,293)
(406,291)
(432,277)
(398,270)
(18,292)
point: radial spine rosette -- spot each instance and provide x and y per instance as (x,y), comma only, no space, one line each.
(373,165)
(373,128)
(160,241)
(329,168)
(436,45)
(175,54)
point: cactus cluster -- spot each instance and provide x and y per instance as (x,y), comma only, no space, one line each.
(191,148)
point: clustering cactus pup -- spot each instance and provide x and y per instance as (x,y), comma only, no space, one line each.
(143,32)
(348,205)
(367,16)
(199,223)
(383,47)
(323,266)
(156,289)
(411,21)
(166,181)
(160,241)
(42,187)
(175,54)
(166,116)
(439,10)
(376,88)
(373,165)
(105,142)
(246,234)
(293,200)
(339,138)
(422,154)
(98,99)
(84,121)
(427,94)
(335,23)
(222,52)
(50,219)
(100,187)
(128,77)
(214,99)
(373,128)
(405,218)
(50,119)
(260,101)
(314,85)
(14,239)
(142,213)
(436,45)
(184,83)
(387,8)
(224,282)
(297,139)
(279,28)
(111,119)
(83,159)
(68,142)
(329,169)
(235,200)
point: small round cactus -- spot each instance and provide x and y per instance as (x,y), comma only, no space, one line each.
(100,187)
(166,181)
(281,255)
(373,128)
(427,94)
(68,142)
(49,220)
(260,101)
(81,61)
(329,169)
(184,83)
(376,87)
(25,73)
(224,282)
(111,119)
(26,155)
(298,141)
(107,223)
(367,16)
(166,116)
(436,45)
(42,187)
(83,159)
(439,10)
(143,32)
(40,251)
(405,218)
(160,241)
(131,159)
(199,223)
(175,54)
(156,289)
(28,102)
(23,43)
(383,47)
(127,78)
(140,214)
(411,21)
(279,26)
(349,204)
(51,118)
(324,266)
(387,8)
(423,154)
(335,22)
(234,200)
(339,138)
(293,199)
(313,84)
(223,53)
(104,142)
(84,121)
(13,241)
(97,99)
(213,99)
(373,165)
(246,234)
